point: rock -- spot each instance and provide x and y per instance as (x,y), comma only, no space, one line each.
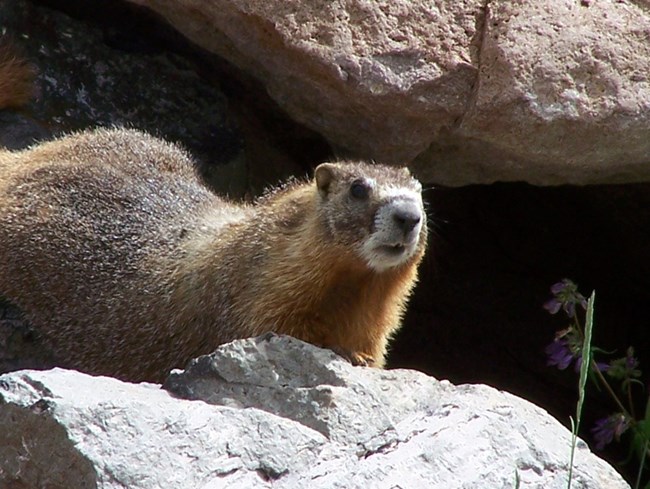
(379,78)
(137,436)
(294,380)
(87,77)
(547,92)
(287,414)
(113,63)
(564,91)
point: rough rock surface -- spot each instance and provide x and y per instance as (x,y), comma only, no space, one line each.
(102,64)
(564,88)
(288,415)
(378,78)
(89,76)
(547,92)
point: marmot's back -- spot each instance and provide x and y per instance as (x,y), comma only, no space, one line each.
(121,193)
(105,207)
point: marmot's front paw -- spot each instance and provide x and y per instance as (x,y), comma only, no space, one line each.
(356,358)
(360,359)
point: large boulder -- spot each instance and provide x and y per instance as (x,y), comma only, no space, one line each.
(547,92)
(381,79)
(280,413)
(563,91)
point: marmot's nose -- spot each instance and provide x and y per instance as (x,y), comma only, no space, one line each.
(407,217)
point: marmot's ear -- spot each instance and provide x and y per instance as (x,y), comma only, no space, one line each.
(324,175)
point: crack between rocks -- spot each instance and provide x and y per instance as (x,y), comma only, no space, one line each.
(38,387)
(227,473)
(641,5)
(385,448)
(481,33)
(269,474)
(390,446)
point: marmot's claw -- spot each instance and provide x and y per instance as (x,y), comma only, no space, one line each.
(356,358)
(360,359)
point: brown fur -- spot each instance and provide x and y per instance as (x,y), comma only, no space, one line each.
(129,266)
(16,78)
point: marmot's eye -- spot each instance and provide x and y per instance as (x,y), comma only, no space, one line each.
(359,190)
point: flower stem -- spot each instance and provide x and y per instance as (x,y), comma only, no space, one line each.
(644,452)
(601,377)
(637,485)
(629,399)
(611,392)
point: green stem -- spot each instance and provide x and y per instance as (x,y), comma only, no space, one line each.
(644,454)
(629,399)
(601,377)
(578,326)
(638,475)
(609,389)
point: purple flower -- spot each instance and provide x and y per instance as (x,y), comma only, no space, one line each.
(569,308)
(558,288)
(559,354)
(631,362)
(603,367)
(565,296)
(625,368)
(608,429)
(553,305)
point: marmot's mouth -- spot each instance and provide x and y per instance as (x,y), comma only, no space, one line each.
(396,249)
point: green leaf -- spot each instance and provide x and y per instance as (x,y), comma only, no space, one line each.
(585,366)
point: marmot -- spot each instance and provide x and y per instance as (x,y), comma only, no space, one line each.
(130,266)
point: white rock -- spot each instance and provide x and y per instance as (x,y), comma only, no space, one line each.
(288,415)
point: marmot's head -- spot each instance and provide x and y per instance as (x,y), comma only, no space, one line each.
(375,210)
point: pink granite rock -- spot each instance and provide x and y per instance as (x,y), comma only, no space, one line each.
(544,91)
